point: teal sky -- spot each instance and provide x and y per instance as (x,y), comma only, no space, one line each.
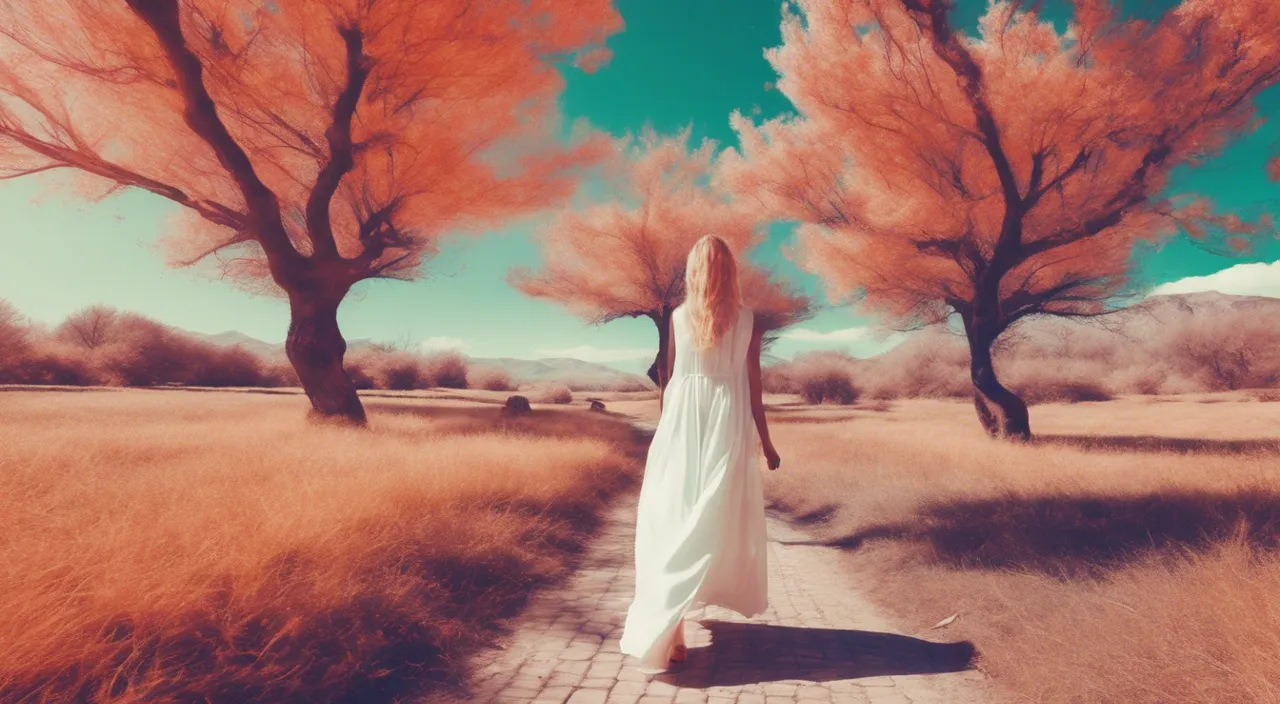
(678,63)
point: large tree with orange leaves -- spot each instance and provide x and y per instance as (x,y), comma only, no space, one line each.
(626,257)
(311,143)
(1003,175)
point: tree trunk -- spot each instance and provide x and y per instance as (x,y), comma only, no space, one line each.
(315,348)
(1002,414)
(658,370)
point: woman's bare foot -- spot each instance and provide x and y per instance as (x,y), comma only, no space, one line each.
(679,651)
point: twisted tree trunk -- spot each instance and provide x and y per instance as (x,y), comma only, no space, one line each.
(1002,413)
(658,370)
(315,347)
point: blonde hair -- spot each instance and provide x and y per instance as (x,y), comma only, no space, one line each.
(711,290)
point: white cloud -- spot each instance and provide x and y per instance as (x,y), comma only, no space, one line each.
(590,353)
(1258,279)
(442,342)
(816,336)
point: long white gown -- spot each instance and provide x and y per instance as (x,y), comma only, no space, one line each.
(700,527)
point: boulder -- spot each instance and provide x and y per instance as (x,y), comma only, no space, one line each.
(597,405)
(517,406)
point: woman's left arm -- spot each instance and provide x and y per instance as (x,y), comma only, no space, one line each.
(670,362)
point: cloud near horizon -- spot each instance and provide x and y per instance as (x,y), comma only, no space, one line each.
(441,343)
(591,353)
(860,341)
(856,334)
(1256,279)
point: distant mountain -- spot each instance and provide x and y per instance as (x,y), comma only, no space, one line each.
(1142,320)
(1204,303)
(251,344)
(574,373)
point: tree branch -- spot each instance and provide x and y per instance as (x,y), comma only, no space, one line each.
(1036,193)
(201,115)
(63,156)
(341,150)
(951,50)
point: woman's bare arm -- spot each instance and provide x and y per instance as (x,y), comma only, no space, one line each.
(671,347)
(670,361)
(757,396)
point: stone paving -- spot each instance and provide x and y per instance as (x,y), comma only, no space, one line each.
(818,642)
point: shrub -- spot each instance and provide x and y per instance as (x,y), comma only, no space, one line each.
(1226,351)
(229,366)
(360,377)
(778,379)
(830,386)
(147,353)
(553,393)
(404,373)
(931,364)
(446,370)
(490,379)
(59,367)
(1064,392)
(15,345)
(825,377)
(276,374)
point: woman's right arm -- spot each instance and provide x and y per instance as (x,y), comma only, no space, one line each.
(757,396)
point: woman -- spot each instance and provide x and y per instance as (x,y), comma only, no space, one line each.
(700,532)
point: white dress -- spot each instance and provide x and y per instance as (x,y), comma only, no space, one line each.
(700,528)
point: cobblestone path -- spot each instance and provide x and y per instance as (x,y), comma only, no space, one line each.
(818,642)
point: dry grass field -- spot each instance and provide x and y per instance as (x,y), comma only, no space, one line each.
(175,546)
(1128,556)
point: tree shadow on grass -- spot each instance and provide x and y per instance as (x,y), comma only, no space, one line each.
(1081,536)
(1157,444)
(828,413)
(552,423)
(751,653)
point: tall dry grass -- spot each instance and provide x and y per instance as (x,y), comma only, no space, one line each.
(1132,555)
(179,547)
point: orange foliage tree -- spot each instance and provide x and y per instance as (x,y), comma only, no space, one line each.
(311,143)
(1004,175)
(626,257)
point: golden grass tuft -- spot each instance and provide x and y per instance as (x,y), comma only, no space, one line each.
(1128,556)
(177,547)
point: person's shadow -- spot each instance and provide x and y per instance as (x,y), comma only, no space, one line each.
(751,653)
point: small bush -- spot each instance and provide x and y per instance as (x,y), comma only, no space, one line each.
(360,377)
(404,373)
(830,386)
(490,379)
(778,379)
(1065,392)
(932,364)
(446,370)
(822,377)
(554,393)
(59,368)
(277,374)
(147,353)
(381,367)
(223,367)
(15,344)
